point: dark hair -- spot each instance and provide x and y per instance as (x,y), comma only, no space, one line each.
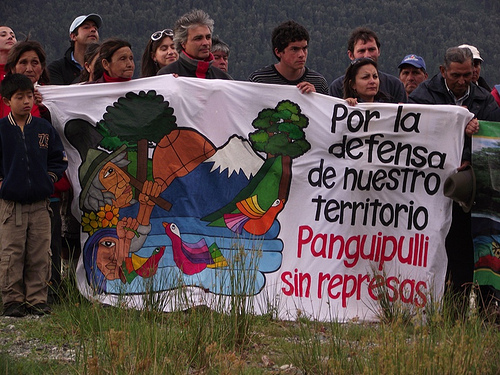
(91,52)
(458,55)
(106,52)
(13,83)
(149,67)
(218,45)
(17,51)
(286,33)
(350,76)
(361,33)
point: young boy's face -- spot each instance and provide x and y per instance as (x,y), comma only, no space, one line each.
(21,102)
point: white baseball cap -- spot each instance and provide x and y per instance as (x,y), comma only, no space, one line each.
(475,52)
(77,22)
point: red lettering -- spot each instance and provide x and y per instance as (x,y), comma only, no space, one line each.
(393,287)
(421,293)
(376,284)
(284,278)
(345,293)
(302,240)
(335,281)
(403,289)
(299,287)
(322,277)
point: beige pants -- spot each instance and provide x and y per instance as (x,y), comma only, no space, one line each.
(24,251)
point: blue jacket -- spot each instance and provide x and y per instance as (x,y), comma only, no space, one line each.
(30,161)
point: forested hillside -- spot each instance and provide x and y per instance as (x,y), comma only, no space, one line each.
(426,27)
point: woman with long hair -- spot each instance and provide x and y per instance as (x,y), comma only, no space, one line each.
(361,82)
(160,51)
(7,40)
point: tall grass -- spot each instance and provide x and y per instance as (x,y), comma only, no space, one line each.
(202,340)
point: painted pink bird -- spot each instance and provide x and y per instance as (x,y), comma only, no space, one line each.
(192,258)
(135,265)
(252,217)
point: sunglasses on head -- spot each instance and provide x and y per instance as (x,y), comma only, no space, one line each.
(157,35)
(361,59)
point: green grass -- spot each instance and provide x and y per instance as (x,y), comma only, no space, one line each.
(109,340)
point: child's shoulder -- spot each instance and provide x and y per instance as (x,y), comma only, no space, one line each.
(41,123)
(5,123)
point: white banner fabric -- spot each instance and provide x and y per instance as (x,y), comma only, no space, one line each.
(362,214)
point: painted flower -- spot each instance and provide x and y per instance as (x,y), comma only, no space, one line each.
(90,222)
(108,216)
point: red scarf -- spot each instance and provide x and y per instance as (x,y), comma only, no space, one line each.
(117,79)
(201,65)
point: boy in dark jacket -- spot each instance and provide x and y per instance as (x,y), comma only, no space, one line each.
(32,158)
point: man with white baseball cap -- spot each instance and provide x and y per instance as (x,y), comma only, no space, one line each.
(476,71)
(83,31)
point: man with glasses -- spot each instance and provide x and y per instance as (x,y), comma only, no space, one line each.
(84,30)
(363,42)
(290,42)
(193,40)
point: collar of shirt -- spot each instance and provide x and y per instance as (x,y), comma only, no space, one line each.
(76,62)
(10,116)
(458,101)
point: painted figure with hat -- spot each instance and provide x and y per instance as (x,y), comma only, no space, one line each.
(107,188)
(84,30)
(412,72)
(117,223)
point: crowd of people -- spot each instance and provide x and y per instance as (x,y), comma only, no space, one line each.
(190,49)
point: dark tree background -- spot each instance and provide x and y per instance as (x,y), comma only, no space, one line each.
(426,27)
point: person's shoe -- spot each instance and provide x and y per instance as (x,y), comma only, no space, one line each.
(15,309)
(40,309)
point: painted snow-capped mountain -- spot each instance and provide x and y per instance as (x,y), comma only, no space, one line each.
(236,156)
(215,182)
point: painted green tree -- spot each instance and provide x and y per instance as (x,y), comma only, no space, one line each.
(280,131)
(138,121)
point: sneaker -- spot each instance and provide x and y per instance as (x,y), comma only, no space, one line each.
(15,309)
(40,309)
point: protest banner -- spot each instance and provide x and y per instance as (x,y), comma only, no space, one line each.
(213,188)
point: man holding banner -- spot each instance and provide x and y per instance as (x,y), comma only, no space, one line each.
(453,86)
(193,40)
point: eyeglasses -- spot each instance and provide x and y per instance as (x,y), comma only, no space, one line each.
(157,35)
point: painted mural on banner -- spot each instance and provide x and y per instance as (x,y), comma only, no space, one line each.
(486,210)
(298,201)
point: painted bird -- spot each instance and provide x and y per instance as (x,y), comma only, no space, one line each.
(252,217)
(135,265)
(192,258)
